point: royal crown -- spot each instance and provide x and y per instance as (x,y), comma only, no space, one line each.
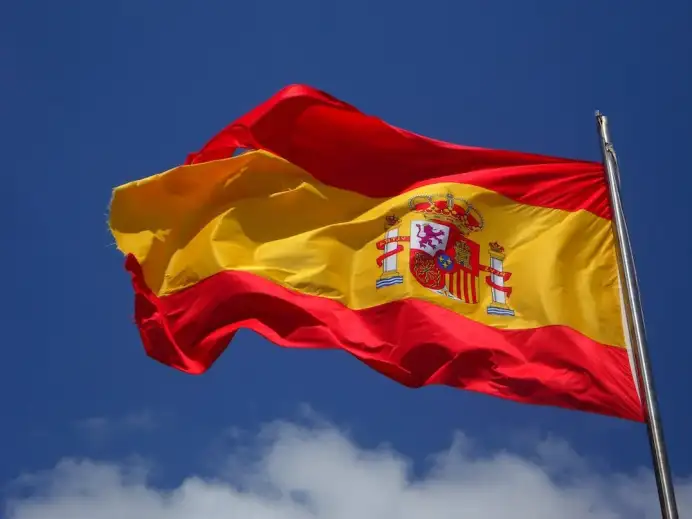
(449,209)
(391,220)
(496,247)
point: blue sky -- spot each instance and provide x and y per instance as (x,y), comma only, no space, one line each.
(96,94)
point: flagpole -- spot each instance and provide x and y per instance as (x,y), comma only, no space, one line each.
(635,325)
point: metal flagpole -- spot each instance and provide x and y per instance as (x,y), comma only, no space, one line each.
(635,325)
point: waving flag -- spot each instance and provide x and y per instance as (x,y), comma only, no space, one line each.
(433,263)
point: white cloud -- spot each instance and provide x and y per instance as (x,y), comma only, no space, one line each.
(317,472)
(139,421)
(98,429)
(93,425)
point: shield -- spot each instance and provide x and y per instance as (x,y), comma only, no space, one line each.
(444,260)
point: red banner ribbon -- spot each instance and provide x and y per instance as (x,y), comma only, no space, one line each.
(399,248)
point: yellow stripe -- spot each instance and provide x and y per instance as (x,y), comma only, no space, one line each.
(258,213)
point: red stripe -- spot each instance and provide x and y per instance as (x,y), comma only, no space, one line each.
(411,341)
(345,148)
(458,280)
(466,287)
(474,291)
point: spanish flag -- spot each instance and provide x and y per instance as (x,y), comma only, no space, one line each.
(432,263)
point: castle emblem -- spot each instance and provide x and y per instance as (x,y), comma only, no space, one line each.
(442,257)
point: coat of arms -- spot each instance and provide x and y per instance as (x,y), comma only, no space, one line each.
(442,258)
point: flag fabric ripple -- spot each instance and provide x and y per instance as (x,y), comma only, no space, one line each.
(432,263)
